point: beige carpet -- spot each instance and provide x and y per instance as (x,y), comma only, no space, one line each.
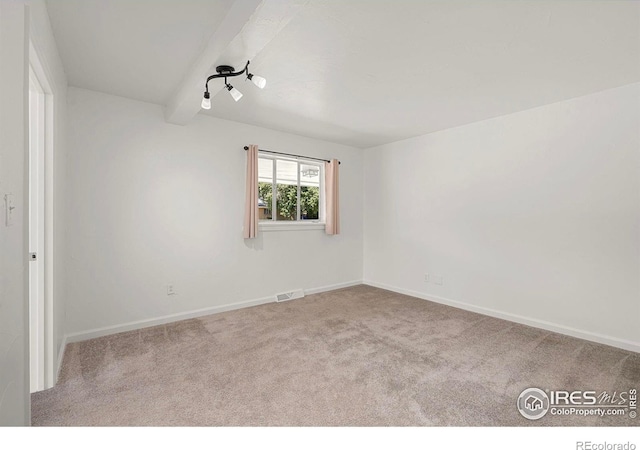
(356,356)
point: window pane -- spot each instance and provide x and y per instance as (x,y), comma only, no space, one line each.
(287,190)
(309,191)
(265,188)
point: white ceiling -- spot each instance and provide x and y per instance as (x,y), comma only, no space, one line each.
(363,72)
(138,49)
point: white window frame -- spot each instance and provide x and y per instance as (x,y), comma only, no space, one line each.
(294,225)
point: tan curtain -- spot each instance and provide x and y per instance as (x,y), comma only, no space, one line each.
(332,196)
(251,200)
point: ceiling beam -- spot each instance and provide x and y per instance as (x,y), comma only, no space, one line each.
(248,27)
(185,102)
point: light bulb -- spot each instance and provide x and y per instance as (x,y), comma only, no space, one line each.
(206,101)
(236,94)
(259,81)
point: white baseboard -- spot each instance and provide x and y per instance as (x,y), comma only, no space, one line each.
(145,323)
(139,324)
(332,287)
(581,334)
(63,347)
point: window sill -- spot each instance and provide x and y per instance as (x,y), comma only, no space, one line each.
(292,226)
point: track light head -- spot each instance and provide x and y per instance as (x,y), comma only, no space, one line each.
(257,80)
(236,94)
(206,101)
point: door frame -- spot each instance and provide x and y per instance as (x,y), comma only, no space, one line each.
(46,372)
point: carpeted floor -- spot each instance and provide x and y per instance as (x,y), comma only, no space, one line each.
(355,356)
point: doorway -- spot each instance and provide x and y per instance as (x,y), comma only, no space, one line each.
(41,340)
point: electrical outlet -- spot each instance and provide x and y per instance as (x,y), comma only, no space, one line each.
(426,277)
(439,279)
(170,289)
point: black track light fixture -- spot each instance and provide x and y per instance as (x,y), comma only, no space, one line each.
(228,72)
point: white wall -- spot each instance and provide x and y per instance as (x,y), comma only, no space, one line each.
(45,46)
(14,326)
(152,203)
(535,215)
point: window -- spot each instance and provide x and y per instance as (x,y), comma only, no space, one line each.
(298,188)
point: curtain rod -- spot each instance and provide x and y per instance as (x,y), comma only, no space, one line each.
(289,154)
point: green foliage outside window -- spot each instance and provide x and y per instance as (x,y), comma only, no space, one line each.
(287,196)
